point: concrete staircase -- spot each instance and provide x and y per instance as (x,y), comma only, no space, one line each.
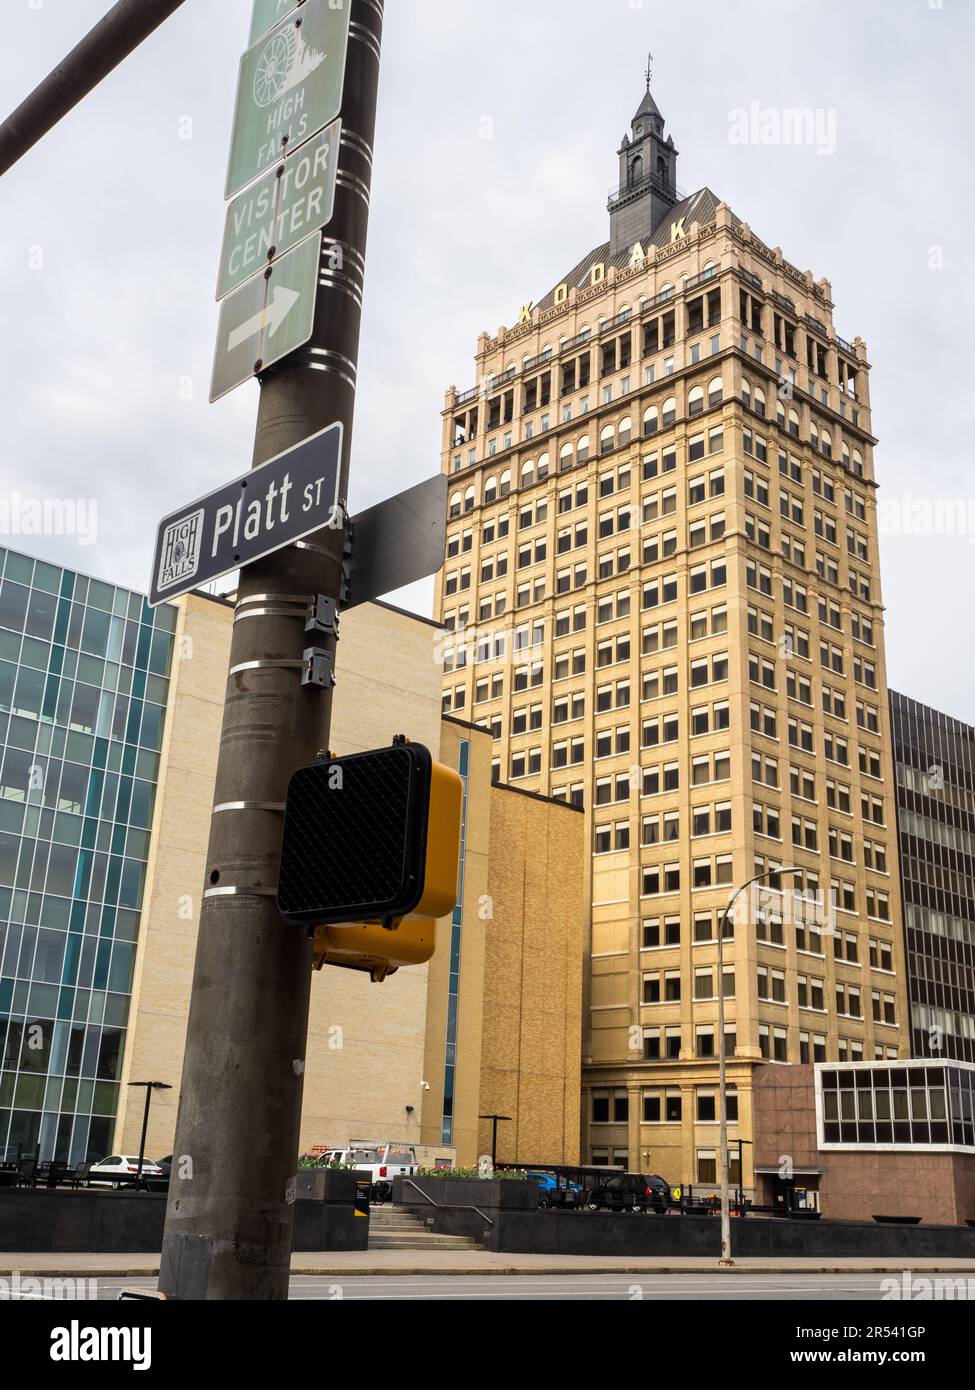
(393,1228)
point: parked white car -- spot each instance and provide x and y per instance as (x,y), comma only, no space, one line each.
(123,1168)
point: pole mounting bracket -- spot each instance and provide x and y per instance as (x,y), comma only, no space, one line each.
(322,617)
(316,668)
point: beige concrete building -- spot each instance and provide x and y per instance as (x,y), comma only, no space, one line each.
(369,1045)
(510,986)
(663,585)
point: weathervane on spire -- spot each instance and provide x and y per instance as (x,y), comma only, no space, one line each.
(649,69)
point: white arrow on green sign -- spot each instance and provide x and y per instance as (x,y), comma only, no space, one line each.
(280,210)
(290,86)
(267,318)
(267,13)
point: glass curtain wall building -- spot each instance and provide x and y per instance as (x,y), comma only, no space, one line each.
(934,758)
(84,670)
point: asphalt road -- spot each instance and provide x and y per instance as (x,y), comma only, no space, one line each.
(736,1287)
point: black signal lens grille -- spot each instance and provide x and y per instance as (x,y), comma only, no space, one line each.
(352,837)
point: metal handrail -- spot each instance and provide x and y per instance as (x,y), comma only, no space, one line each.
(448,1206)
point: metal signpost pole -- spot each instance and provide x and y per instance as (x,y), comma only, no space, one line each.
(230,1215)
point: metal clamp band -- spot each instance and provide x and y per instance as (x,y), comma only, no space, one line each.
(318,549)
(250,806)
(274,598)
(339,357)
(362,34)
(343,285)
(266,665)
(305,359)
(240,893)
(348,255)
(355,185)
(356,142)
(275,612)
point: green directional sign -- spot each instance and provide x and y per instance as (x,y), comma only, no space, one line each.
(280,210)
(267,318)
(267,13)
(290,86)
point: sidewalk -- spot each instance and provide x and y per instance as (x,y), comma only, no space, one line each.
(334,1264)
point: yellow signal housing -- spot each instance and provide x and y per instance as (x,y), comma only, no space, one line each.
(376,949)
(401,930)
(443,843)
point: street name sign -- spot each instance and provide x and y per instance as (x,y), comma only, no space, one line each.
(267,13)
(290,86)
(282,501)
(267,318)
(280,210)
(398,541)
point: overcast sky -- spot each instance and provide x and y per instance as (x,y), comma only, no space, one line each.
(110,233)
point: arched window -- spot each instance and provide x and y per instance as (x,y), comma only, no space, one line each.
(846,455)
(695,400)
(490,489)
(506,482)
(827,444)
(455,504)
(582,449)
(543,467)
(636,169)
(665,292)
(794,422)
(746,391)
(813,435)
(858,463)
(625,431)
(758,402)
(469,499)
(710,270)
(527,472)
(779,414)
(651,420)
(607,440)
(565,457)
(715,391)
(669,414)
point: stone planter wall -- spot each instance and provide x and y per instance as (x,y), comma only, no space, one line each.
(450,1210)
(91,1221)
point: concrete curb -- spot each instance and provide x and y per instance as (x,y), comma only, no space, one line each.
(480,1271)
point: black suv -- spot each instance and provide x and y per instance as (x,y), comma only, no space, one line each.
(637,1192)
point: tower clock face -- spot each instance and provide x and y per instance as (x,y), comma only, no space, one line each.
(638,129)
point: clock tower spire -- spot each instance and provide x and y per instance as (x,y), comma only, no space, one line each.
(648,176)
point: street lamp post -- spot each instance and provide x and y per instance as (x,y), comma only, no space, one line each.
(740,1192)
(722,1067)
(494,1135)
(150,1087)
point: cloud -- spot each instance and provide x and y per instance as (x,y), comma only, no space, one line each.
(495,151)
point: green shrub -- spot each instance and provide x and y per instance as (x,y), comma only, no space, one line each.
(516,1174)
